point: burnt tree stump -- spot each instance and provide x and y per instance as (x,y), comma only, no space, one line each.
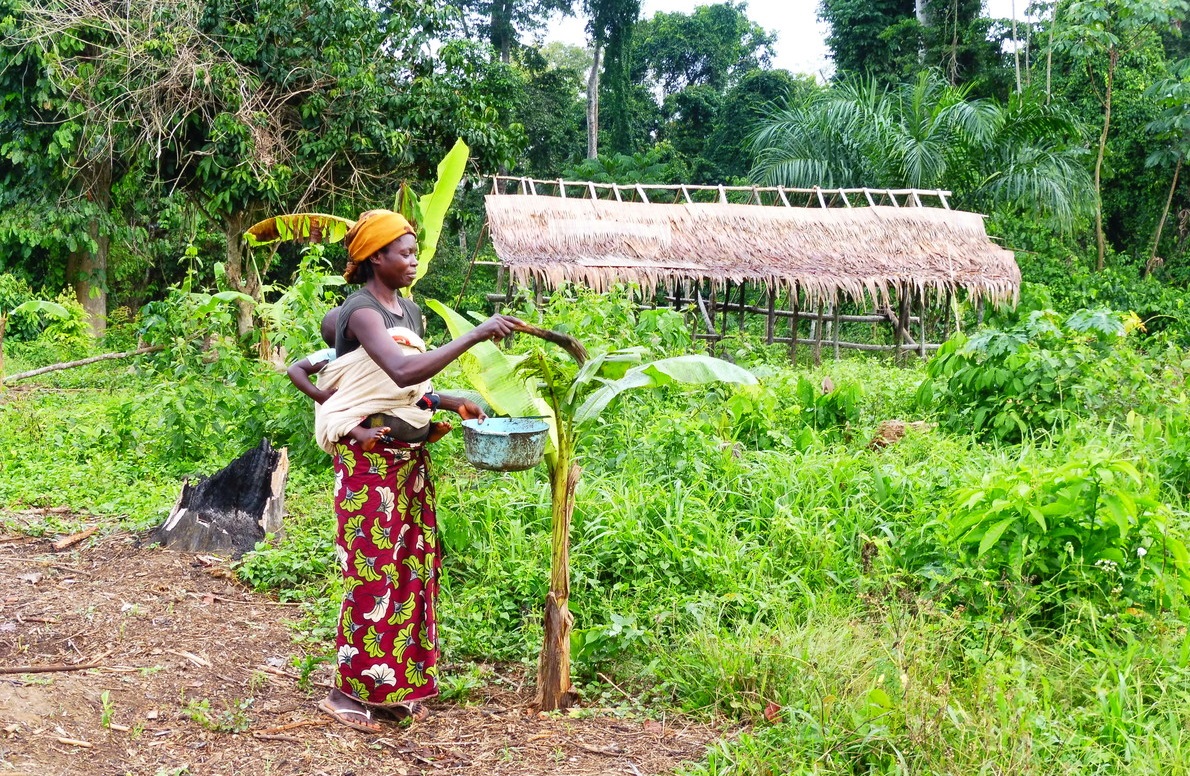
(233,509)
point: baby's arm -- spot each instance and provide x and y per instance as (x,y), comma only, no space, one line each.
(299,373)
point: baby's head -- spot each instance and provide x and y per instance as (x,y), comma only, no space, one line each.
(330,323)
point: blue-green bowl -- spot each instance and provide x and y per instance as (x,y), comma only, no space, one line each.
(505,444)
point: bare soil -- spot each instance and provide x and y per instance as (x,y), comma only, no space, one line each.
(185,655)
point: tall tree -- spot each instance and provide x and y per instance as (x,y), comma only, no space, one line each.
(727,150)
(505,22)
(610,24)
(56,164)
(859,38)
(271,105)
(890,40)
(1172,132)
(550,108)
(1097,33)
(712,46)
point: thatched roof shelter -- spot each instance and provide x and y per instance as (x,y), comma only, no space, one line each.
(859,251)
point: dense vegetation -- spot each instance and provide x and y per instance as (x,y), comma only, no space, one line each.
(1002,590)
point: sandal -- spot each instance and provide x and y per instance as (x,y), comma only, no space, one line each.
(340,716)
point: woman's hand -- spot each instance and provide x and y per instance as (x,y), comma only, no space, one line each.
(496,328)
(469,410)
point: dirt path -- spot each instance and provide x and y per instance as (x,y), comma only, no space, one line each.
(185,654)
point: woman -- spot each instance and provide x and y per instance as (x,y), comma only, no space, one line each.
(387,539)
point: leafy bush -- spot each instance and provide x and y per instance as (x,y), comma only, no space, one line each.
(1092,528)
(1006,384)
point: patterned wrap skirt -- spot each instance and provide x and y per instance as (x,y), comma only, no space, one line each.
(387,548)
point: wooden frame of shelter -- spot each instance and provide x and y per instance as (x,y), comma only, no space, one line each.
(884,250)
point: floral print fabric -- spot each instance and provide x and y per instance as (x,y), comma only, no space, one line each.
(387,548)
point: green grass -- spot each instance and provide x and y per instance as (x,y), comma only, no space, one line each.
(727,558)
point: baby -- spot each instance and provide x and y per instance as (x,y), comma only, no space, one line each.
(301,371)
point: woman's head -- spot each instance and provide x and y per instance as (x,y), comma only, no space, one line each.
(372,233)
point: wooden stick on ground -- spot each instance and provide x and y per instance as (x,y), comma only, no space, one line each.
(46,669)
(290,726)
(75,538)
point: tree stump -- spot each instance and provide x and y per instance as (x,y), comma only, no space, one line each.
(233,509)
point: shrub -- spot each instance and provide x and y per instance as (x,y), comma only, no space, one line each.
(1008,383)
(1092,528)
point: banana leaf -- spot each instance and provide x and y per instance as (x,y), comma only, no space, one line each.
(494,374)
(432,207)
(303,227)
(686,370)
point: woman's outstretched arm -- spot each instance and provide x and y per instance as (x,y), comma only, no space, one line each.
(368,328)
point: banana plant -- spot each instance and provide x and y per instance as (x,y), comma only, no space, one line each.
(427,213)
(571,397)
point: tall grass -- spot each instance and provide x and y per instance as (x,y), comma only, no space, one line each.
(735,554)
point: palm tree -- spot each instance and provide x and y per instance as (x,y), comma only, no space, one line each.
(928,134)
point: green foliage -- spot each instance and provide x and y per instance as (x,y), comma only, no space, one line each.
(1007,384)
(659,164)
(14,294)
(1024,155)
(1090,529)
(712,46)
(734,547)
(232,719)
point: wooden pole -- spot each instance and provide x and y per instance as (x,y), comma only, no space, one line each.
(81,362)
(772,319)
(818,334)
(921,342)
(946,315)
(726,304)
(743,303)
(902,322)
(835,326)
(793,324)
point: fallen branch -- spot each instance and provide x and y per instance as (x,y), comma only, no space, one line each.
(193,658)
(290,726)
(75,538)
(75,742)
(81,362)
(46,669)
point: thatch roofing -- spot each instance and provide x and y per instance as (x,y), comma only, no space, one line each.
(858,251)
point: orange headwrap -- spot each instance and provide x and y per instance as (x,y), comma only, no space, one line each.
(374,230)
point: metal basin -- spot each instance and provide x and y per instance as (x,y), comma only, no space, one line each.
(505,444)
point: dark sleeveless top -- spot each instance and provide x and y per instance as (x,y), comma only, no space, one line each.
(363,299)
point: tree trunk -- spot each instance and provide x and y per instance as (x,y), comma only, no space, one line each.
(502,29)
(1016,50)
(553,667)
(86,270)
(233,509)
(1049,56)
(246,280)
(1152,263)
(1100,239)
(593,105)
